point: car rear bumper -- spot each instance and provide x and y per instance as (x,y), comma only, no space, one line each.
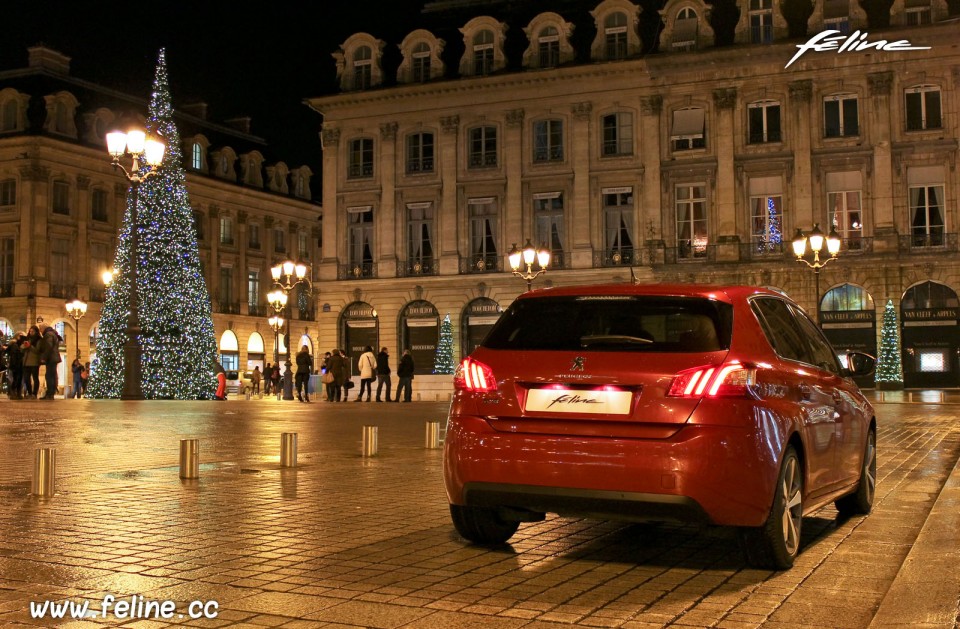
(703,473)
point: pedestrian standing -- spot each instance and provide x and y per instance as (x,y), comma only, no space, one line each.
(383,373)
(405,376)
(218,369)
(368,369)
(255,379)
(85,377)
(337,367)
(76,368)
(304,369)
(275,379)
(50,358)
(15,365)
(32,349)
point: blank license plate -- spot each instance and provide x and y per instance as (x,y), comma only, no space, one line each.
(569,401)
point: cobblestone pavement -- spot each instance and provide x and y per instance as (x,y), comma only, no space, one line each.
(351,541)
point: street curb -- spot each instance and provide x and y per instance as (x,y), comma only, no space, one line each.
(926,590)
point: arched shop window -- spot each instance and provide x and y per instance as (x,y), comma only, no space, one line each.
(229,351)
(255,352)
(848,317)
(477,319)
(358,329)
(306,340)
(420,333)
(6,330)
(930,335)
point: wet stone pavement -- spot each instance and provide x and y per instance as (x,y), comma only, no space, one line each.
(351,541)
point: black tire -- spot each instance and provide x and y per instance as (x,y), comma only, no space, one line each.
(776,544)
(860,502)
(482,525)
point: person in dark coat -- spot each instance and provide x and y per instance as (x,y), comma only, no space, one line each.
(76,368)
(32,348)
(15,365)
(338,367)
(405,375)
(51,358)
(304,369)
(383,373)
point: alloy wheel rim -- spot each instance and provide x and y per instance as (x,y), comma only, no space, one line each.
(870,467)
(792,506)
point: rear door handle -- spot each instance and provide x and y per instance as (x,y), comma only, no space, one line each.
(805,391)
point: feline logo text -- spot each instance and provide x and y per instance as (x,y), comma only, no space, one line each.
(855,42)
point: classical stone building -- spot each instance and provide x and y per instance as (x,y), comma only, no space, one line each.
(669,159)
(61,204)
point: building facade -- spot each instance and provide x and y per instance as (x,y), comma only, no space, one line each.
(668,161)
(61,205)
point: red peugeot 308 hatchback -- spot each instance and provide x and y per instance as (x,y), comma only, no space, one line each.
(722,405)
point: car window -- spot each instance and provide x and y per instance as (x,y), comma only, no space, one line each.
(823,354)
(642,323)
(781,329)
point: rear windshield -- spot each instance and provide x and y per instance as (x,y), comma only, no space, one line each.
(643,323)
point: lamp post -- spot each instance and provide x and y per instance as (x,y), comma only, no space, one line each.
(528,255)
(817,240)
(148,150)
(76,309)
(276,322)
(287,275)
(376,327)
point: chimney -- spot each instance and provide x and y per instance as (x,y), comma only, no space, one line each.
(241,123)
(42,57)
(198,109)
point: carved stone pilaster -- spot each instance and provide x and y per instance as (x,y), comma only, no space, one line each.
(450,124)
(120,189)
(581,111)
(293,228)
(214,211)
(316,232)
(242,217)
(83,182)
(800,91)
(388,131)
(515,117)
(651,105)
(268,222)
(34,172)
(330,136)
(880,83)
(725,97)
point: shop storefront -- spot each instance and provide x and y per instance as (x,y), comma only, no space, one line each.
(358,329)
(930,336)
(848,318)
(478,318)
(420,333)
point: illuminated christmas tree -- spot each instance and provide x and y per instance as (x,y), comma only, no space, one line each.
(444,362)
(889,365)
(178,339)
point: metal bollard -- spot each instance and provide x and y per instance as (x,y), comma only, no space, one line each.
(248,395)
(433,435)
(288,449)
(44,472)
(189,458)
(369,441)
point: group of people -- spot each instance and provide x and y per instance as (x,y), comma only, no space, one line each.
(335,369)
(24,353)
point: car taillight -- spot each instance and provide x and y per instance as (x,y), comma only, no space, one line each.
(731,379)
(473,375)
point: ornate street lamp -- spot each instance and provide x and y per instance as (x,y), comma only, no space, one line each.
(146,151)
(76,309)
(816,240)
(287,275)
(528,255)
(276,322)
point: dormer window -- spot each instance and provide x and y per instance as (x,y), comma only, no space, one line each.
(917,12)
(615,36)
(362,68)
(685,30)
(421,63)
(483,53)
(9,117)
(836,15)
(196,160)
(549,47)
(761,21)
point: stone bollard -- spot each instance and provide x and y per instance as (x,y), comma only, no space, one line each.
(370,441)
(288,449)
(433,435)
(44,472)
(189,458)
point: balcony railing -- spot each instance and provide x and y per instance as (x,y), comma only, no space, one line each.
(415,268)
(227,307)
(620,257)
(63,291)
(357,271)
(487,263)
(919,243)
(761,250)
(257,310)
(483,160)
(420,165)
(98,294)
(360,170)
(305,314)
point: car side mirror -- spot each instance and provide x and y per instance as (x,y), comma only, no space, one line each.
(860,364)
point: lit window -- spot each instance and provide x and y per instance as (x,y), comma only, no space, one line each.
(932,362)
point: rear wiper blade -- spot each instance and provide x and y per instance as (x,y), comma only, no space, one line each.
(613,339)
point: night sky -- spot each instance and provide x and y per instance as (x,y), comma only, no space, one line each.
(243,59)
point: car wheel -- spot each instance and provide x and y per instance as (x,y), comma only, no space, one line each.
(775,544)
(861,501)
(482,525)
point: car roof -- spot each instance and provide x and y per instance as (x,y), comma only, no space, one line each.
(720,293)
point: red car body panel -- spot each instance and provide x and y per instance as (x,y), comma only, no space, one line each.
(711,459)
